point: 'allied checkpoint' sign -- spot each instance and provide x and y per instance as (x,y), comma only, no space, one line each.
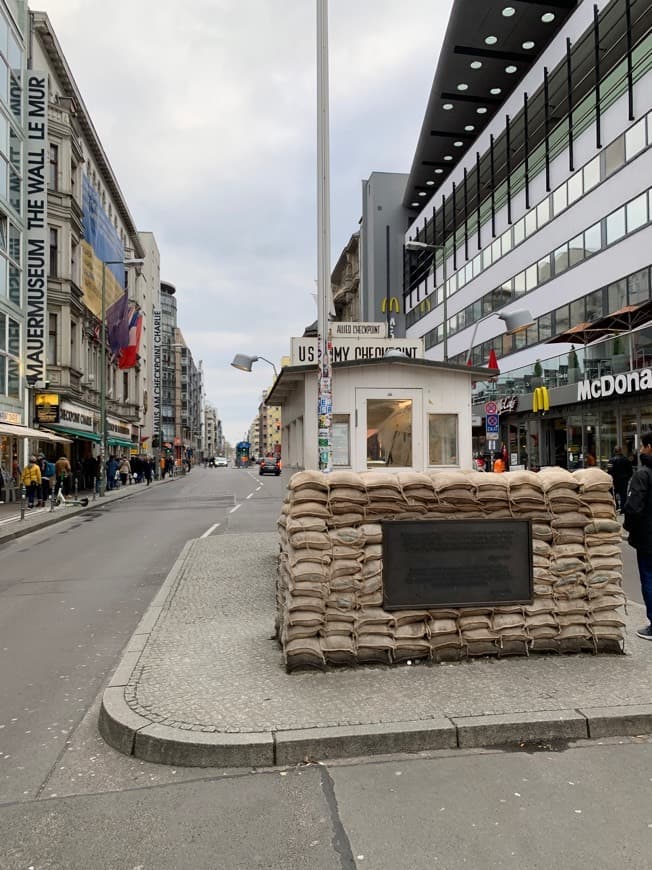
(456,563)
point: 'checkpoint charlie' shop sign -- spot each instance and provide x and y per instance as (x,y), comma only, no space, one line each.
(304,350)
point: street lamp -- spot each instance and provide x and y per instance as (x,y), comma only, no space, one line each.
(103,444)
(515,321)
(423,246)
(244,363)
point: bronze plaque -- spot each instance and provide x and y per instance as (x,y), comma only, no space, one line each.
(47,413)
(456,563)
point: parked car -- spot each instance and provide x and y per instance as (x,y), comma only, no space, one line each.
(270,465)
(221,462)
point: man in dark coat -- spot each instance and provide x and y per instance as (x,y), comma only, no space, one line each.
(621,471)
(638,522)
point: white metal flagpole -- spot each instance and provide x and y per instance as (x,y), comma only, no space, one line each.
(324,377)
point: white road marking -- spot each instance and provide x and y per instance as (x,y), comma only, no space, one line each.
(233,510)
(250,494)
(209,531)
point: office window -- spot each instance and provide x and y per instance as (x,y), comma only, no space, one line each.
(636,211)
(519,284)
(615,225)
(14,242)
(574,187)
(14,284)
(54,251)
(595,305)
(559,199)
(561,259)
(531,277)
(593,239)
(544,269)
(53,178)
(13,338)
(530,222)
(543,212)
(562,319)
(545,327)
(519,231)
(635,140)
(617,295)
(506,241)
(576,250)
(638,286)
(73,346)
(125,386)
(3,331)
(578,311)
(442,439)
(52,340)
(592,174)
(15,148)
(614,156)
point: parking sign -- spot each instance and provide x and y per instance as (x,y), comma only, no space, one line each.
(492,425)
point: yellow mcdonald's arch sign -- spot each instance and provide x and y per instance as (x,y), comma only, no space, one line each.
(393,305)
(541,400)
(424,306)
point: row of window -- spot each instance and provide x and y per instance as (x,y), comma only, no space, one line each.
(624,148)
(631,290)
(9,356)
(624,220)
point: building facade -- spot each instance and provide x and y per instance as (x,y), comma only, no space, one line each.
(530,189)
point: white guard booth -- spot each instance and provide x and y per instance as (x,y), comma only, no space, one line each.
(392,409)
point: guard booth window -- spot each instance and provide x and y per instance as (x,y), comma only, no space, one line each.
(389,433)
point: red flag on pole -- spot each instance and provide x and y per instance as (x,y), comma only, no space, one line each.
(493,362)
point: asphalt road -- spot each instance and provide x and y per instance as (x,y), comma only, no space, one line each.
(70,598)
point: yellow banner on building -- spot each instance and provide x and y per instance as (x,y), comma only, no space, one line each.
(92,281)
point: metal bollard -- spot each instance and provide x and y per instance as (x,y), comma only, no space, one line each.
(94,488)
(76,487)
(23,493)
(51,500)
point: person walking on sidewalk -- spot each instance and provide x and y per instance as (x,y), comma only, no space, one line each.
(638,522)
(31,480)
(125,471)
(63,471)
(621,471)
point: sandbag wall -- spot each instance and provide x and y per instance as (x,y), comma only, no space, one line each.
(330,591)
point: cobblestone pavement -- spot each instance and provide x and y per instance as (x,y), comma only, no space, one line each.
(212,665)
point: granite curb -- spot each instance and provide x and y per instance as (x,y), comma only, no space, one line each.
(50,518)
(188,744)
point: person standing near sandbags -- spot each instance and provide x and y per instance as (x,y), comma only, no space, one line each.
(621,471)
(638,522)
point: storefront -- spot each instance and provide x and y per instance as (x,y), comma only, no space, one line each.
(578,424)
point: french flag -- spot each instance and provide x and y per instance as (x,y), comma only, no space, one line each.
(129,355)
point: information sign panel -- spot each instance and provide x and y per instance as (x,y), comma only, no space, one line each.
(456,563)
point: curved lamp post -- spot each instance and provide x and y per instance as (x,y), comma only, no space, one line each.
(244,363)
(515,321)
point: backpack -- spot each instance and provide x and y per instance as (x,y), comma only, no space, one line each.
(50,470)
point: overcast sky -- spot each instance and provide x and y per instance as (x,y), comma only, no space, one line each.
(207,112)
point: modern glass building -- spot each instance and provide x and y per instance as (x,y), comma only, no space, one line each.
(531,188)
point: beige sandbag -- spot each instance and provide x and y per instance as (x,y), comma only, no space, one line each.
(338,649)
(304,653)
(347,494)
(541,531)
(315,479)
(442,626)
(568,520)
(374,616)
(310,541)
(345,568)
(347,479)
(410,630)
(504,621)
(441,641)
(476,621)
(308,493)
(593,478)
(336,626)
(345,519)
(346,583)
(305,524)
(305,617)
(297,632)
(372,532)
(598,526)
(554,478)
(406,650)
(309,509)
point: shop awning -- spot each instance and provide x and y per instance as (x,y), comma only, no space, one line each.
(27,432)
(78,433)
(120,442)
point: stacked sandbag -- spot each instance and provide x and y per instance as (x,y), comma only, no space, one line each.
(330,585)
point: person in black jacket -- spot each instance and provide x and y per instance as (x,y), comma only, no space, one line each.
(638,522)
(621,471)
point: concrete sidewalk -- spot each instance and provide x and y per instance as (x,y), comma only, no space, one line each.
(11,526)
(202,682)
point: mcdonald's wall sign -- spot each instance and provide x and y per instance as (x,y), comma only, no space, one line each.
(391,303)
(541,400)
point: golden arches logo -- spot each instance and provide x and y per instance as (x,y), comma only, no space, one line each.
(541,400)
(424,306)
(393,305)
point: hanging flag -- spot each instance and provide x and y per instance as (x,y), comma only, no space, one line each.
(117,324)
(493,362)
(129,355)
